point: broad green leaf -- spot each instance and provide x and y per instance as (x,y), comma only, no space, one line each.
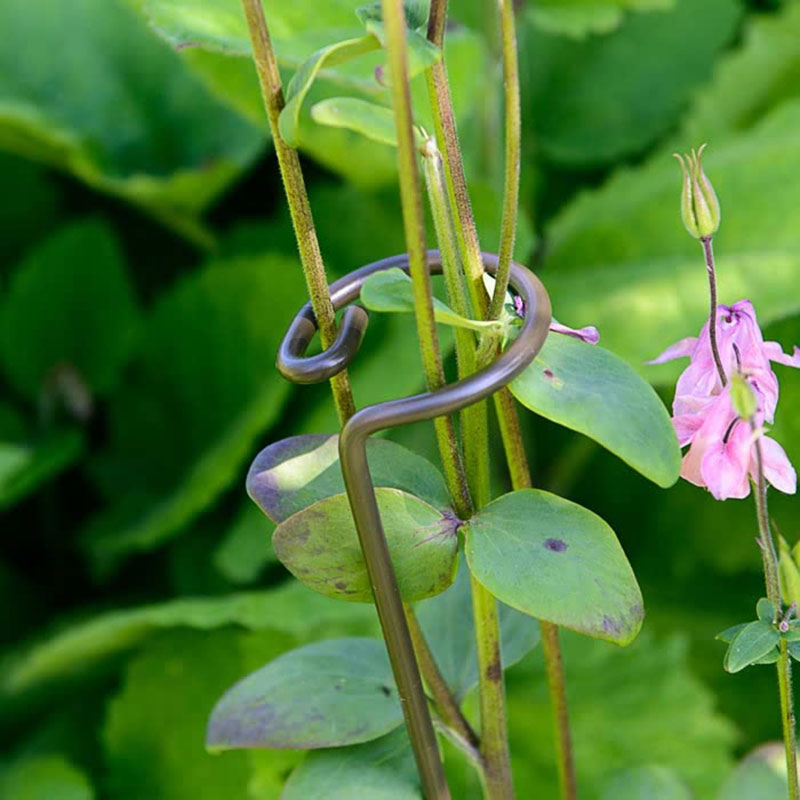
(288,476)
(422,53)
(767,62)
(613,692)
(176,678)
(752,642)
(580,18)
(368,119)
(392,290)
(447,622)
(646,783)
(320,547)
(75,651)
(202,385)
(45,777)
(25,466)
(589,389)
(326,694)
(761,774)
(625,243)
(300,84)
(146,131)
(69,307)
(729,634)
(246,548)
(589,106)
(765,611)
(556,561)
(383,769)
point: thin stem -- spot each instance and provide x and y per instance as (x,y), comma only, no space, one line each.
(784,665)
(446,704)
(299,207)
(414,224)
(513,135)
(494,730)
(708,251)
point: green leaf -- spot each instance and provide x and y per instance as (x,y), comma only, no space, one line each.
(590,390)
(614,727)
(147,131)
(586,102)
(729,634)
(752,642)
(325,694)
(75,651)
(579,18)
(392,290)
(794,650)
(447,623)
(368,119)
(300,84)
(765,611)
(761,774)
(383,769)
(178,676)
(290,475)
(69,307)
(202,386)
(646,783)
(770,658)
(246,548)
(24,467)
(44,777)
(556,561)
(320,547)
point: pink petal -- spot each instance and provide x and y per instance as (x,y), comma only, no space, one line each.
(681,349)
(686,426)
(778,470)
(774,352)
(588,334)
(725,464)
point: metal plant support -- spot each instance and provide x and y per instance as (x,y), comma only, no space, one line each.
(297,368)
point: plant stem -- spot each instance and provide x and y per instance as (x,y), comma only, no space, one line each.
(784,664)
(414,224)
(446,703)
(513,137)
(299,207)
(447,138)
(708,251)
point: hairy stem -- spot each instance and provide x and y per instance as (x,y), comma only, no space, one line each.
(784,664)
(513,137)
(708,251)
(291,173)
(446,704)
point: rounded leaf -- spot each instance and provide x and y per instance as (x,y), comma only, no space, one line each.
(556,561)
(320,547)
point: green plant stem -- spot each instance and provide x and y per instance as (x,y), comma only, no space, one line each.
(446,704)
(447,137)
(291,173)
(414,225)
(784,664)
(708,252)
(513,139)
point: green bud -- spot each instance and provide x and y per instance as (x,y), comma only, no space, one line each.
(743,398)
(699,204)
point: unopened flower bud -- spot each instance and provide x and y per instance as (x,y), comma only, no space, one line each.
(699,204)
(743,398)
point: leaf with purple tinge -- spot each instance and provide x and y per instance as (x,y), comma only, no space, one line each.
(556,561)
(320,547)
(291,474)
(326,694)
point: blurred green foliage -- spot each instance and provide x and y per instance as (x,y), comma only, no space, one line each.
(147,273)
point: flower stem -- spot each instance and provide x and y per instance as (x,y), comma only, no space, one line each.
(784,664)
(313,267)
(708,251)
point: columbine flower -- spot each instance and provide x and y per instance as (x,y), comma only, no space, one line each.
(699,204)
(589,334)
(722,454)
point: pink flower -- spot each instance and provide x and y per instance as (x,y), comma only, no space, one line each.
(589,334)
(722,453)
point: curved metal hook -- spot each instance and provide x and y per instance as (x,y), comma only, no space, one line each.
(355,469)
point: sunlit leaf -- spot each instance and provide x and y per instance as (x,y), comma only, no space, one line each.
(39,777)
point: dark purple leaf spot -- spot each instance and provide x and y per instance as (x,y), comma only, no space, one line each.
(551,376)
(387,690)
(555,545)
(610,626)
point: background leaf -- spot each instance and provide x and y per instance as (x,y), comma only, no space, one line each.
(42,777)
(584,17)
